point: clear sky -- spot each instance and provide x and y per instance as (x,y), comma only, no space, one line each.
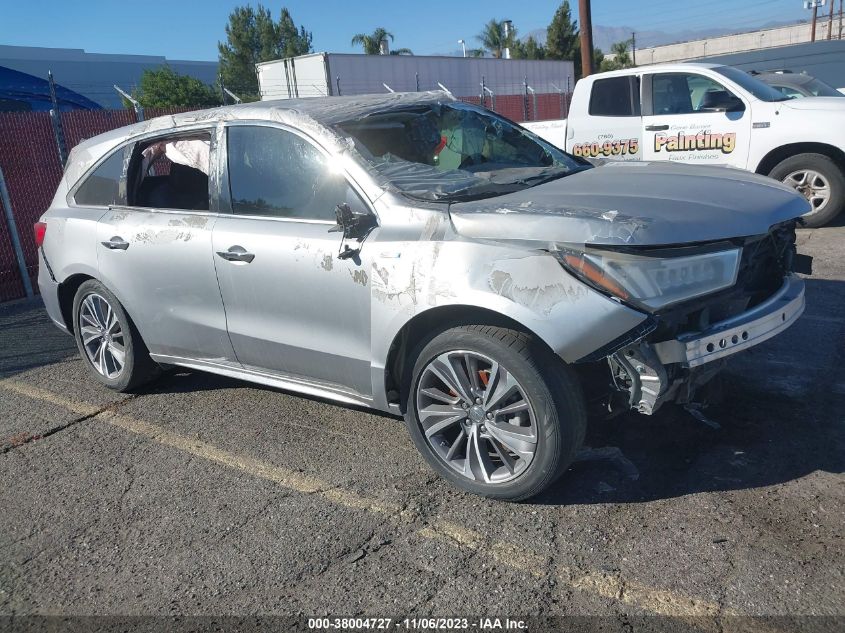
(179,29)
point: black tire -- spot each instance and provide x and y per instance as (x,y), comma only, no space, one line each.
(829,171)
(550,387)
(137,368)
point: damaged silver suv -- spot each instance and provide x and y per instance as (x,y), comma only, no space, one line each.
(419,256)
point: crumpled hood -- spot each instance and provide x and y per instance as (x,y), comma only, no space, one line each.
(639,203)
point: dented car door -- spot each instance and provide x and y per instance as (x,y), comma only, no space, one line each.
(153,248)
(293,307)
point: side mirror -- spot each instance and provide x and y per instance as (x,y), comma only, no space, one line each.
(721,101)
(355,225)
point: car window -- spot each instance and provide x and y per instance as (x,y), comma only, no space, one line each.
(278,173)
(453,151)
(790,92)
(685,93)
(616,96)
(102,187)
(171,173)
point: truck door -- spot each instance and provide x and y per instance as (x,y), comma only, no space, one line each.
(692,118)
(608,124)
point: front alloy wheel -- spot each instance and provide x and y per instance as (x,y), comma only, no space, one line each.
(476,417)
(494,411)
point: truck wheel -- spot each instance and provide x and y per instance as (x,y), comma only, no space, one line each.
(818,179)
(495,412)
(108,341)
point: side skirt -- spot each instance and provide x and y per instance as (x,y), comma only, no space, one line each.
(288,383)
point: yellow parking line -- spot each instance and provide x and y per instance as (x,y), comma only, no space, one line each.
(653,600)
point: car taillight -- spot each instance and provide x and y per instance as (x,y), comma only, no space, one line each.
(40,232)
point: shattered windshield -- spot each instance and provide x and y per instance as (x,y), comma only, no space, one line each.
(455,152)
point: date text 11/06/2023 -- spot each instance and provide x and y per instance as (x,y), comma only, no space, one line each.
(417,624)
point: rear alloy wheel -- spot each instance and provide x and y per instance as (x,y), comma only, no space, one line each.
(488,418)
(103,339)
(108,341)
(820,180)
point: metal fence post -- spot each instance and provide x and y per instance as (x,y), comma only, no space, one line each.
(525,99)
(534,100)
(13,233)
(482,91)
(56,119)
(139,110)
(417,79)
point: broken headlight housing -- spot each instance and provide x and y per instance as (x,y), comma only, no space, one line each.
(654,279)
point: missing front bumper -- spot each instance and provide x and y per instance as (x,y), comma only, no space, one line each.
(655,373)
(733,335)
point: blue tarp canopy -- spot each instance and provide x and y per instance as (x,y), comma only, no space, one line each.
(21,92)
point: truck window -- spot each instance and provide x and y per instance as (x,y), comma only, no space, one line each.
(616,96)
(684,93)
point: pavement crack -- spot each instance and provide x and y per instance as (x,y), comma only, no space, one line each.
(22,439)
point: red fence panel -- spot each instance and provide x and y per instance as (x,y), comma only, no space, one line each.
(79,125)
(30,162)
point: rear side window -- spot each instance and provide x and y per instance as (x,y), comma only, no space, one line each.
(273,172)
(616,96)
(171,173)
(102,187)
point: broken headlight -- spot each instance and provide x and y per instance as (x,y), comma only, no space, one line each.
(656,280)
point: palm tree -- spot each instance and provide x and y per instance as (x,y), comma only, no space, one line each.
(492,37)
(620,49)
(372,42)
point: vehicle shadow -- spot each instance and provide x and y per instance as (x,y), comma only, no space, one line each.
(28,339)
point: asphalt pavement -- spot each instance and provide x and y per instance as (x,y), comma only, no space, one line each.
(205,495)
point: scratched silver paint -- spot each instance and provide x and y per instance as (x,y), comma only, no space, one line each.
(300,317)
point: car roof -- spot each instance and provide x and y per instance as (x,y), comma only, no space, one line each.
(675,67)
(315,115)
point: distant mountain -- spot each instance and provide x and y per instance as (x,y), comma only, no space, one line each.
(605,36)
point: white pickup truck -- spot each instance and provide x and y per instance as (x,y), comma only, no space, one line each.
(711,115)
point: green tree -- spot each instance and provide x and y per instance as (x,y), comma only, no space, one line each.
(402,51)
(493,40)
(529,49)
(252,37)
(293,41)
(371,42)
(562,37)
(621,58)
(163,88)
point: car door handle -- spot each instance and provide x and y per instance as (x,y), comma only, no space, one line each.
(656,128)
(116,244)
(236,254)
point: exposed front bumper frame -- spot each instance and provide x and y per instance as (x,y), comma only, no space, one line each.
(733,335)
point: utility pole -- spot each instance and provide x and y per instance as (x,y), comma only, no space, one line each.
(586,37)
(814,5)
(830,21)
(634,48)
(840,19)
